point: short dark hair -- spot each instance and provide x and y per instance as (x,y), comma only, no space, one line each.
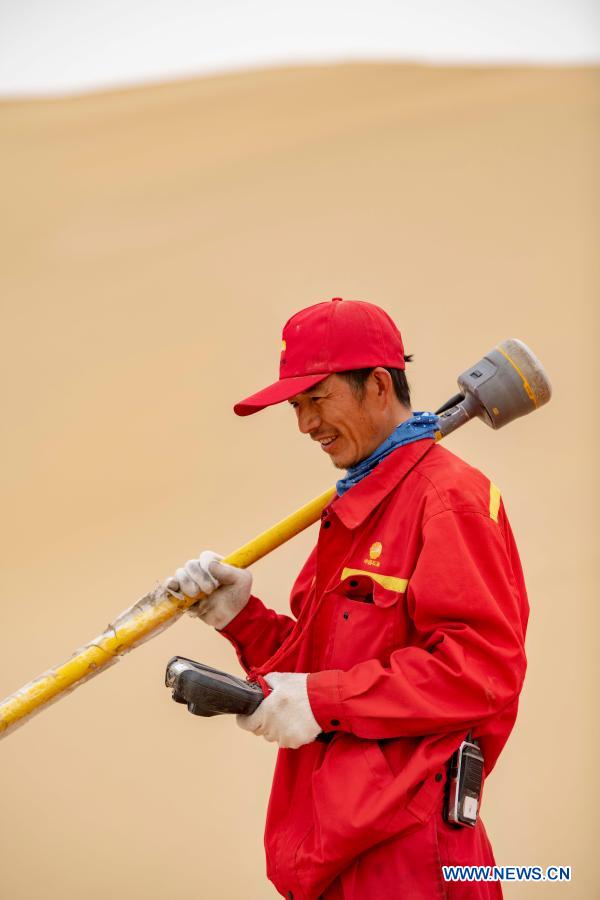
(357,378)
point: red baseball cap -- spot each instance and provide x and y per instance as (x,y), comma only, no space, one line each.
(334,336)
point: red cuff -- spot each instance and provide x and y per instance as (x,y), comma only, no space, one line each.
(324,695)
(243,628)
(241,625)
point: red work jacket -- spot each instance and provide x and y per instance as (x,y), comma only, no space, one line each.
(410,615)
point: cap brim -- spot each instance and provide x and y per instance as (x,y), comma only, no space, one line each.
(276,393)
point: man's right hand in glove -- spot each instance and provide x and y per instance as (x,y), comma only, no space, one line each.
(227,588)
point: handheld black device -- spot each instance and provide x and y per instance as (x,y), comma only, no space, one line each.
(208,691)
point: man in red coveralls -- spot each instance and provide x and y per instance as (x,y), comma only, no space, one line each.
(407,632)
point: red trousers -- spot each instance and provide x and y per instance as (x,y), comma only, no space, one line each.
(409,867)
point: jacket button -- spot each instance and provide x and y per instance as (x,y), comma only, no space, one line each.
(290,895)
(335,722)
(346,615)
(354,583)
(439,776)
(327,523)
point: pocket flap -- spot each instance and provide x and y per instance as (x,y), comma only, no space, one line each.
(358,587)
(371,587)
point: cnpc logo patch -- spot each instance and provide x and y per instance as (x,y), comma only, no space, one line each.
(375,551)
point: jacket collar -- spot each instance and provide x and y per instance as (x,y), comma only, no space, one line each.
(358,502)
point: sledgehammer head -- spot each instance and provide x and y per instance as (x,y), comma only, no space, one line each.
(508,382)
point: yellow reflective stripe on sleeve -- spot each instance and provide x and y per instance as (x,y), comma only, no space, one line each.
(494,501)
(387,581)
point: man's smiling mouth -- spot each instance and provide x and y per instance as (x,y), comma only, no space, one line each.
(326,442)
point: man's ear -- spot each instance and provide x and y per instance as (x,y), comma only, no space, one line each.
(382,381)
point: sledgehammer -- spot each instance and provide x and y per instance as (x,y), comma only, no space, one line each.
(508,382)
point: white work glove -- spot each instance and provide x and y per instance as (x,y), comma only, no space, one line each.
(285,716)
(227,588)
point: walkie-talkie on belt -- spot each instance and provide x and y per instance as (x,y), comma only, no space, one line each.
(465,779)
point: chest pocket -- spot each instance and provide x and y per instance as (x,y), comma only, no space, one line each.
(365,618)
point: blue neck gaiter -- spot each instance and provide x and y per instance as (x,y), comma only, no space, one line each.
(420,425)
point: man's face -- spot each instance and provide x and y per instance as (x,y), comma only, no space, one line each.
(347,427)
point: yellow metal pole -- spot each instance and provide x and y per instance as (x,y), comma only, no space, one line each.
(146,618)
(160,608)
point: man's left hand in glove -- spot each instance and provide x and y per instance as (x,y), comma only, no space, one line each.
(285,716)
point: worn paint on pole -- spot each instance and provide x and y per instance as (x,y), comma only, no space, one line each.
(148,617)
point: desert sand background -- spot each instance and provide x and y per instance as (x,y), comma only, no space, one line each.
(154,242)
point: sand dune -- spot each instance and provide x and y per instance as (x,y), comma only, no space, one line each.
(154,242)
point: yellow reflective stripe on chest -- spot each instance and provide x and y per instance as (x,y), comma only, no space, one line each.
(494,501)
(387,581)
